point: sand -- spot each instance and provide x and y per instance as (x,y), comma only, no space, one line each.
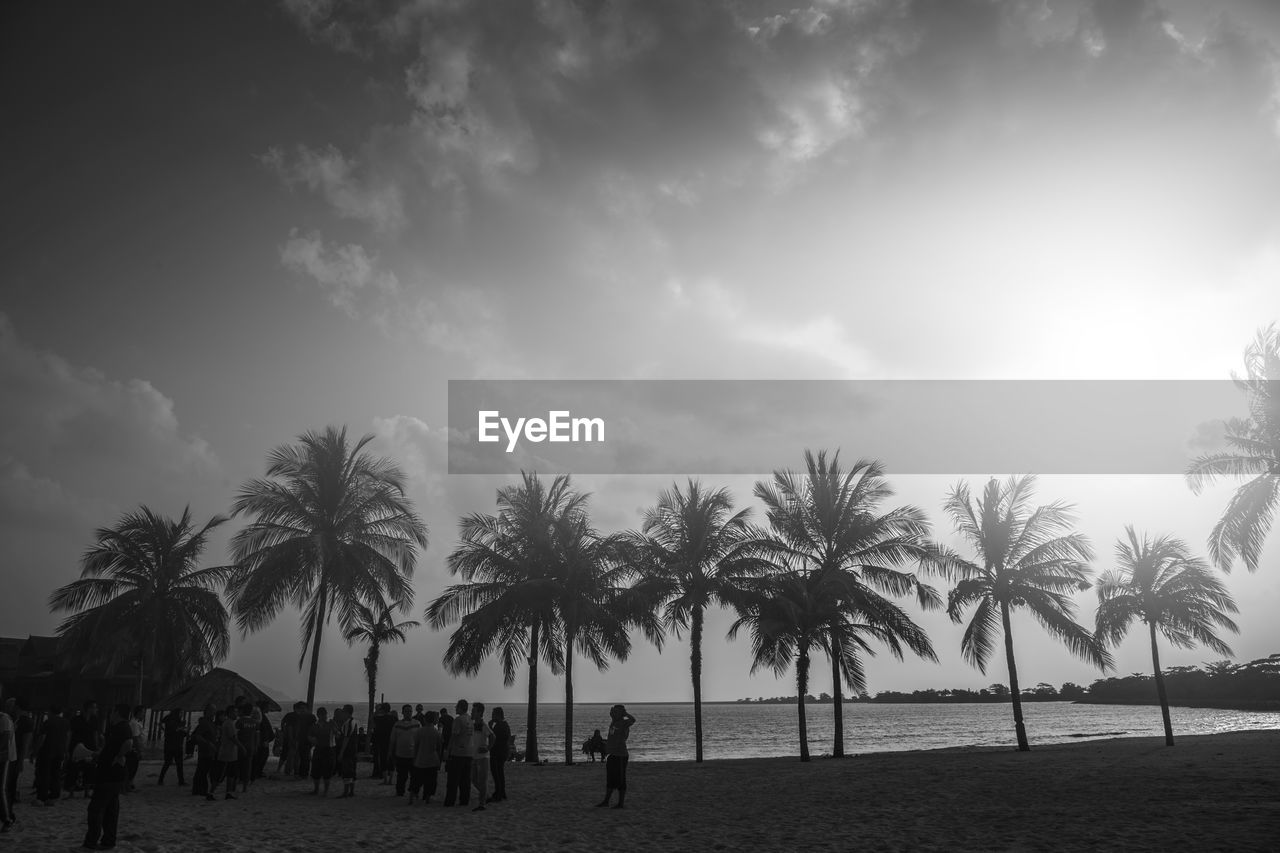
(1213,792)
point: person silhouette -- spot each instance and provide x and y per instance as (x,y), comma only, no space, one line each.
(615,762)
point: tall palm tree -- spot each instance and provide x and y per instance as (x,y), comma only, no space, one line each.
(826,521)
(1172,591)
(333,530)
(143,600)
(1025,558)
(1254,451)
(507,602)
(694,552)
(376,626)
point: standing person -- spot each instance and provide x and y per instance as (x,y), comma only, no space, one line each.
(426,760)
(135,755)
(24,727)
(51,748)
(615,762)
(229,750)
(400,752)
(320,738)
(457,768)
(348,750)
(266,734)
(306,720)
(446,727)
(84,744)
(247,735)
(288,762)
(499,754)
(205,740)
(383,722)
(175,740)
(419,715)
(8,757)
(482,742)
(111,777)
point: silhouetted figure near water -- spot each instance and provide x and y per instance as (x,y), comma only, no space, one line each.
(499,754)
(461,751)
(347,749)
(321,739)
(615,762)
(594,745)
(426,759)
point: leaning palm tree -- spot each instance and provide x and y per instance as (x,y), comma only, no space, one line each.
(1170,590)
(827,521)
(507,602)
(1254,451)
(693,552)
(333,530)
(142,600)
(1026,558)
(376,626)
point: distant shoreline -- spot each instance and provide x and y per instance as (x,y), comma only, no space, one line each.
(1260,705)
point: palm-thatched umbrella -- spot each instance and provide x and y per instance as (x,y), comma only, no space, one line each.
(218,687)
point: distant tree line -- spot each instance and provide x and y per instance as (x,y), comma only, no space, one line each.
(1247,686)
(1252,686)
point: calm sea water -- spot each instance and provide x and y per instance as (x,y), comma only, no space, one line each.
(664,732)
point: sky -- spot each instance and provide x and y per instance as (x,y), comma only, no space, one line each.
(228,224)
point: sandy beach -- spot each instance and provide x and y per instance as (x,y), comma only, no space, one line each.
(1214,792)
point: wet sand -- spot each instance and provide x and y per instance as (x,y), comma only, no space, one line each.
(1212,792)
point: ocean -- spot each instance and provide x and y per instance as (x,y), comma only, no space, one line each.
(664,732)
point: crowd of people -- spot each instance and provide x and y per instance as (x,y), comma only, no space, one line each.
(82,753)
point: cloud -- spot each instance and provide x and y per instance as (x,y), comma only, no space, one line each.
(77,449)
(834,166)
(347,273)
(337,178)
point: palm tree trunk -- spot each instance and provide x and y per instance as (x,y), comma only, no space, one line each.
(568,697)
(140,665)
(1160,691)
(531,726)
(371,675)
(1019,727)
(695,668)
(837,751)
(315,648)
(802,687)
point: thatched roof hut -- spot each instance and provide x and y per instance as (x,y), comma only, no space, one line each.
(218,687)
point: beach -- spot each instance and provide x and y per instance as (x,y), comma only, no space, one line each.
(1209,792)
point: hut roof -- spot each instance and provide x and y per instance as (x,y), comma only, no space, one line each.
(218,687)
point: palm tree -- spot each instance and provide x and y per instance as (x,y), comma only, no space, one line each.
(1026,558)
(694,552)
(788,617)
(142,599)
(1254,444)
(377,627)
(594,607)
(1172,591)
(333,530)
(507,603)
(826,521)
